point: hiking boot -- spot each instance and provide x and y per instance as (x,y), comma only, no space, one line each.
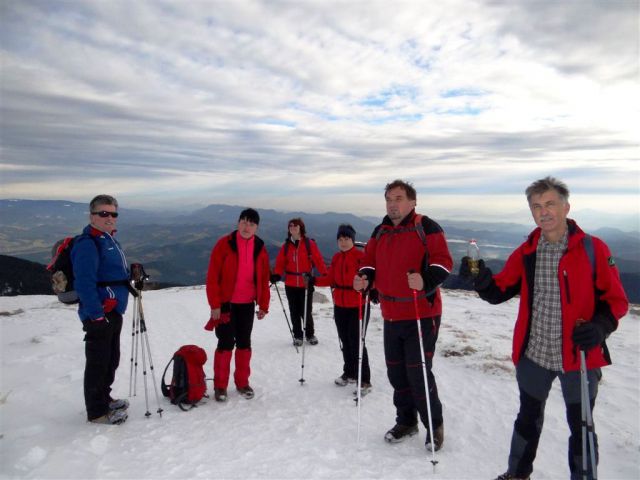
(220,394)
(400,432)
(118,404)
(508,476)
(297,342)
(312,340)
(247,392)
(113,417)
(343,380)
(364,389)
(438,439)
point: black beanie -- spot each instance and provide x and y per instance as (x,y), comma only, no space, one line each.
(346,230)
(250,215)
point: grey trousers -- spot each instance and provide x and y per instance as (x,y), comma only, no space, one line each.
(535,383)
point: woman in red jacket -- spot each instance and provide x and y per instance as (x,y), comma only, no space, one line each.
(346,309)
(297,258)
(237,279)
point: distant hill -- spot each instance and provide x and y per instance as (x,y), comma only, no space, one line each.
(175,246)
(22,277)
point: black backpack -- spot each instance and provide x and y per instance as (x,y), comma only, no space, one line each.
(188,384)
(61,269)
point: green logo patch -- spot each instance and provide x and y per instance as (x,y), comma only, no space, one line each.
(612,262)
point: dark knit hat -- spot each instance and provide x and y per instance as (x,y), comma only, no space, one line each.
(346,230)
(250,215)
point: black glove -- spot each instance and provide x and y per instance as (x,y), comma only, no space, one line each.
(464,271)
(275,278)
(589,334)
(309,279)
(484,277)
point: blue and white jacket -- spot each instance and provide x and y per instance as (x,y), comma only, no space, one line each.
(98,259)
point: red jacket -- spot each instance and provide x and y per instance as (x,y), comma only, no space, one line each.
(575,277)
(393,251)
(297,261)
(223,268)
(344,266)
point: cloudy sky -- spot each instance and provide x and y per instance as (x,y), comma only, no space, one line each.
(316,105)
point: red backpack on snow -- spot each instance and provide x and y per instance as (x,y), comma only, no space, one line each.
(187,385)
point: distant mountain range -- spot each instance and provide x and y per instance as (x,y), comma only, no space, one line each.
(175,247)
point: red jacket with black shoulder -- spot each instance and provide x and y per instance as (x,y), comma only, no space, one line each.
(417,244)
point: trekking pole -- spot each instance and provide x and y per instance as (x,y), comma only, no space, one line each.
(426,381)
(304,333)
(141,338)
(136,340)
(134,320)
(144,340)
(144,363)
(286,318)
(361,335)
(587,422)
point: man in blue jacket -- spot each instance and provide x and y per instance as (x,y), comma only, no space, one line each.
(101,277)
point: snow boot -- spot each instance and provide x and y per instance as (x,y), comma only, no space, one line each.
(400,432)
(343,380)
(438,439)
(118,403)
(113,417)
(365,388)
(508,476)
(297,342)
(220,394)
(312,340)
(246,392)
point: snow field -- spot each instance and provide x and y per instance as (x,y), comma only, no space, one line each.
(288,431)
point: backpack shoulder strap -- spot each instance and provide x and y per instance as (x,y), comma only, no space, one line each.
(163,385)
(307,243)
(417,226)
(420,229)
(587,241)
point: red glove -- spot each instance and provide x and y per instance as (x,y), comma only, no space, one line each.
(109,304)
(213,323)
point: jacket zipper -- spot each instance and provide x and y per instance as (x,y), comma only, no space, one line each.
(566,285)
(124,260)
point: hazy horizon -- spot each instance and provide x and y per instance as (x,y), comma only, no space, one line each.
(589,218)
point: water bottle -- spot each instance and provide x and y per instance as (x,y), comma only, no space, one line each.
(473,252)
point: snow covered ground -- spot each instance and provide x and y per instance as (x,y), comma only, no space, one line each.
(288,431)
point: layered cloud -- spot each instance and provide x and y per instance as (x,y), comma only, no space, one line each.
(235,101)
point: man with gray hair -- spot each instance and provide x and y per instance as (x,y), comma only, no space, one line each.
(565,307)
(102,281)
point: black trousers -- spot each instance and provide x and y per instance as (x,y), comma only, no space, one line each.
(236,333)
(404,369)
(295,297)
(535,383)
(102,353)
(348,326)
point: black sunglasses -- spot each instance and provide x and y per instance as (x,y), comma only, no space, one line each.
(105,214)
